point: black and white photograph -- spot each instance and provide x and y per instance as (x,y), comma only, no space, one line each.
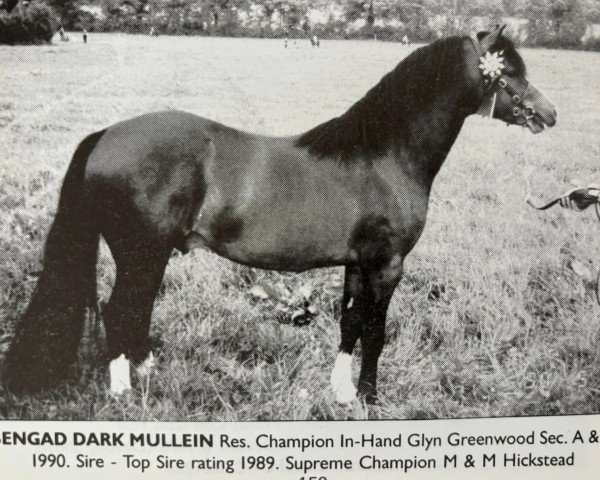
(299,210)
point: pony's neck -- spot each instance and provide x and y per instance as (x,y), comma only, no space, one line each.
(418,108)
(441,102)
(432,133)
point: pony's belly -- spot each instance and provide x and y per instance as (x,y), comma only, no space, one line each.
(268,243)
(296,257)
(283,262)
(253,255)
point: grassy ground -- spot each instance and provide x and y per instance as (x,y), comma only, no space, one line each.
(490,319)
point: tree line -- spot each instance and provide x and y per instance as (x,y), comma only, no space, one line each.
(550,23)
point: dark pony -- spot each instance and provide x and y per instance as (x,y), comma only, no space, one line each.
(352,191)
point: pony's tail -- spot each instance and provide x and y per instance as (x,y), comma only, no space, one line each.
(47,336)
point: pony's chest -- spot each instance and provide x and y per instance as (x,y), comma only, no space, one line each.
(402,208)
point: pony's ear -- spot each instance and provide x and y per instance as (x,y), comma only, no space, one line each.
(491,38)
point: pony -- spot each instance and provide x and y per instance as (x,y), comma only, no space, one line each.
(352,191)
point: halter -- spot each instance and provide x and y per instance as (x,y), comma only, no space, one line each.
(493,82)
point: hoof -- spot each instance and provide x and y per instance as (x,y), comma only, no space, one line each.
(344,392)
(119,390)
(145,368)
(370,398)
(368,393)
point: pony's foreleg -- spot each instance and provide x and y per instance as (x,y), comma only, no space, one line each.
(380,286)
(127,315)
(353,304)
(367,294)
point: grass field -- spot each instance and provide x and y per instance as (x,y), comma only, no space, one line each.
(490,319)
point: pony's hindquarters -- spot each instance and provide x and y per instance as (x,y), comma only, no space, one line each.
(146,178)
(47,336)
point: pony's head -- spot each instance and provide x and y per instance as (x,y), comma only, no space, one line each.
(507,95)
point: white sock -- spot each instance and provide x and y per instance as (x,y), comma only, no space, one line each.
(119,375)
(341,378)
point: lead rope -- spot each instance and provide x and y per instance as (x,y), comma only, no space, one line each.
(583,198)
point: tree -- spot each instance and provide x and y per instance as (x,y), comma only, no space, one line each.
(8,5)
(356,9)
(556,22)
(68,11)
(562,11)
(32,23)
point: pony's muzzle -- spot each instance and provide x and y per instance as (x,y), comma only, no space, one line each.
(537,107)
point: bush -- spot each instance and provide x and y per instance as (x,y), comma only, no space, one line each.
(592,44)
(122,23)
(546,34)
(34,24)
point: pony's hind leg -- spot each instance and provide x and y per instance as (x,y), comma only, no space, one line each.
(127,314)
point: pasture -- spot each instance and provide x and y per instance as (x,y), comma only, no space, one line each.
(496,314)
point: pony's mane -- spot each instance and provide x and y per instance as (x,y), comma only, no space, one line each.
(385,113)
(367,128)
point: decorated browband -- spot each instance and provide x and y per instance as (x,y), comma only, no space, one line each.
(491,65)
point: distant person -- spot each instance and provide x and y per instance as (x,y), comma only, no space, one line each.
(61,32)
(314,41)
(84,35)
(405,40)
(152,31)
(285,42)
